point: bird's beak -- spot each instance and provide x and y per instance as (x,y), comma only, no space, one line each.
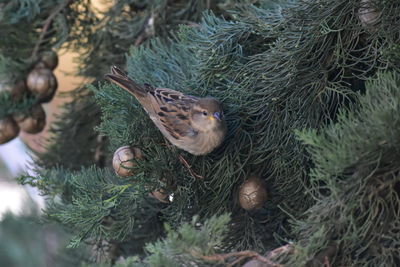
(217,116)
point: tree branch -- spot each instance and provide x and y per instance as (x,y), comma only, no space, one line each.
(47,24)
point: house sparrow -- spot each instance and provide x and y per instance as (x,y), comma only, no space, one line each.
(196,125)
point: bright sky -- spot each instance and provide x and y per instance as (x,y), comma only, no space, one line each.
(14,197)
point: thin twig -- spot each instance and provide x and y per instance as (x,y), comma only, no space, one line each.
(146,31)
(184,162)
(278,251)
(47,24)
(241,255)
(236,262)
(99,154)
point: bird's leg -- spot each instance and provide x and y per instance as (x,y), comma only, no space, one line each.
(326,262)
(186,164)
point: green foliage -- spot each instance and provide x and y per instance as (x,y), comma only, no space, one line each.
(97,205)
(74,143)
(73,135)
(17,24)
(20,22)
(117,108)
(16,11)
(275,72)
(130,22)
(53,183)
(9,107)
(106,43)
(356,181)
(189,243)
(175,66)
(125,123)
(9,69)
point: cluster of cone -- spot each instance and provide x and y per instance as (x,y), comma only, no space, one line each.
(42,84)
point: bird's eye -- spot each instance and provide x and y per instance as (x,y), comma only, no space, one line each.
(205,113)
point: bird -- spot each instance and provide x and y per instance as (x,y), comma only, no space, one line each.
(196,125)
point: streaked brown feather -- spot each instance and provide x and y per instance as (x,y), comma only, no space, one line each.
(167,102)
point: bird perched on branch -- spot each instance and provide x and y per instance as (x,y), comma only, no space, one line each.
(196,125)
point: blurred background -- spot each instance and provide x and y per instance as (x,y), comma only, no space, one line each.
(25,241)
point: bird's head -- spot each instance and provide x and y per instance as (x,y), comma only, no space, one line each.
(207,114)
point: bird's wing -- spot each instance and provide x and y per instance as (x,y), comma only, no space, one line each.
(172,110)
(169,96)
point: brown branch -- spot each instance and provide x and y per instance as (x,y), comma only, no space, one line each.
(239,256)
(278,251)
(236,262)
(99,154)
(47,24)
(145,33)
(141,38)
(322,257)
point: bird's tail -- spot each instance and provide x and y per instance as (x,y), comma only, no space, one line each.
(120,78)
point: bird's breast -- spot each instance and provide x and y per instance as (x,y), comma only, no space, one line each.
(203,143)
